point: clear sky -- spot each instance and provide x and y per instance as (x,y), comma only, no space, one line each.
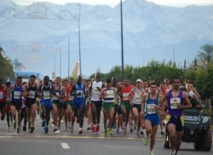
(176,3)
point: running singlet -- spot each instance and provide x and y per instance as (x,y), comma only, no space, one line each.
(17,94)
(46,92)
(109,96)
(68,97)
(3,94)
(31,97)
(57,93)
(150,105)
(95,91)
(79,99)
(126,91)
(137,97)
(173,102)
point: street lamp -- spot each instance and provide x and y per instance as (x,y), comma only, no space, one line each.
(79,37)
(122,50)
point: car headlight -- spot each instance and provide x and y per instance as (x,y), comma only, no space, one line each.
(205,119)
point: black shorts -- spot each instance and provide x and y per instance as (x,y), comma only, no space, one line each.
(118,109)
(76,109)
(30,102)
(18,105)
(28,105)
(2,105)
(137,106)
(177,122)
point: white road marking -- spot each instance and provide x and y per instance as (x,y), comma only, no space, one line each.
(65,146)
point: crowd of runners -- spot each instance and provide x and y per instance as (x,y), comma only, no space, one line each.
(141,106)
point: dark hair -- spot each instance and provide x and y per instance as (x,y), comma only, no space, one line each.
(19,77)
(176,78)
(33,76)
(153,83)
(8,83)
(108,81)
(46,77)
(1,80)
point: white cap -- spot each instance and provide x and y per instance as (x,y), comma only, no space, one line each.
(139,80)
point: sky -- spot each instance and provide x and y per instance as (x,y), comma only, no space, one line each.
(112,3)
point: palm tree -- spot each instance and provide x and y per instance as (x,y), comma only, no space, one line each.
(6,70)
(18,65)
(206,55)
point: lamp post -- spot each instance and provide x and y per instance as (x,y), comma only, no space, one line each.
(79,37)
(68,56)
(122,50)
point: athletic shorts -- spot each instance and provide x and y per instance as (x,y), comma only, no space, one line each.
(126,105)
(118,108)
(153,118)
(47,104)
(176,120)
(29,104)
(108,106)
(75,109)
(18,105)
(2,105)
(137,106)
(58,103)
(69,103)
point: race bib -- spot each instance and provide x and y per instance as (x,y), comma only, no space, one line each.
(125,96)
(174,101)
(46,95)
(151,108)
(55,96)
(138,99)
(31,94)
(17,94)
(81,93)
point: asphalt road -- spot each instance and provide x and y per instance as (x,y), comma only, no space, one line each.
(65,143)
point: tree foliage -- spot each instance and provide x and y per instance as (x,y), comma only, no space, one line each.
(6,70)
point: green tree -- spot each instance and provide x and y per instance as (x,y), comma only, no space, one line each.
(6,70)
(206,54)
(18,65)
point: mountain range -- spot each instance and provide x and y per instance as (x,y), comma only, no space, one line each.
(34,34)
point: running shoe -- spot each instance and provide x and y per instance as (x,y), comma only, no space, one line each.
(114,126)
(119,131)
(105,133)
(93,128)
(145,140)
(46,129)
(110,131)
(32,129)
(43,124)
(55,129)
(151,153)
(97,129)
(24,128)
(18,130)
(88,128)
(172,153)
(80,131)
(14,125)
